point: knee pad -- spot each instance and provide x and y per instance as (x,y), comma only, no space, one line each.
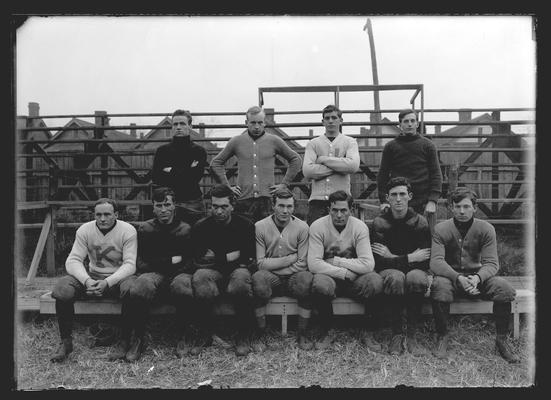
(393,282)
(261,285)
(63,290)
(203,286)
(368,285)
(323,285)
(181,286)
(442,289)
(416,281)
(301,285)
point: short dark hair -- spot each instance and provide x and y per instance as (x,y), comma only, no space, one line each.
(398,181)
(282,194)
(160,193)
(185,113)
(254,110)
(331,108)
(403,113)
(221,190)
(106,200)
(341,195)
(461,193)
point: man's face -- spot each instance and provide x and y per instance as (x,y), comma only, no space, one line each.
(180,126)
(332,122)
(164,210)
(464,210)
(255,123)
(221,209)
(105,215)
(340,212)
(283,209)
(398,198)
(409,124)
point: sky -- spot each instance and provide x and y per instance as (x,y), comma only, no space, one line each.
(79,64)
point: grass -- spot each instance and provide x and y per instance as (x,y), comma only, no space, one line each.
(472,362)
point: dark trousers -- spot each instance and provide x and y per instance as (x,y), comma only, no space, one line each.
(191,211)
(496,289)
(366,288)
(404,293)
(208,284)
(68,289)
(266,285)
(148,287)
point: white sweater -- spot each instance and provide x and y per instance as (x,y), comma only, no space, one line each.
(112,256)
(349,249)
(334,173)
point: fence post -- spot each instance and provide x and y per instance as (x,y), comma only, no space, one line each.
(100,121)
(495,160)
(453,178)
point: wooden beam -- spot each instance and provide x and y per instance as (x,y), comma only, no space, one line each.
(39,247)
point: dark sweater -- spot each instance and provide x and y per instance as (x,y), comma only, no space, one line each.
(415,158)
(402,236)
(182,178)
(158,243)
(238,234)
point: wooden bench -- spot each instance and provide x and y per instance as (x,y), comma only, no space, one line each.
(285,306)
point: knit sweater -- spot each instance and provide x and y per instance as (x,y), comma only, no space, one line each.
(401,236)
(256,159)
(111,256)
(222,239)
(333,174)
(476,253)
(285,252)
(415,158)
(158,243)
(350,249)
(187,162)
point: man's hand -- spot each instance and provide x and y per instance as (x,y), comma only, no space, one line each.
(293,258)
(475,281)
(419,255)
(330,260)
(349,275)
(209,256)
(236,190)
(90,285)
(176,259)
(383,207)
(430,207)
(194,163)
(167,169)
(233,256)
(382,250)
(277,187)
(99,287)
(467,285)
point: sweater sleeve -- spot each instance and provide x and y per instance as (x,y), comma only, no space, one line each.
(292,158)
(438,264)
(435,174)
(198,171)
(268,263)
(217,164)
(316,263)
(310,168)
(347,164)
(384,172)
(488,255)
(302,253)
(158,176)
(364,262)
(129,253)
(75,261)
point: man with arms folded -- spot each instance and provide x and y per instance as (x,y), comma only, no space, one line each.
(400,240)
(328,162)
(281,251)
(340,257)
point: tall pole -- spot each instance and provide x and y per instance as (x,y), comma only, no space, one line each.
(374,117)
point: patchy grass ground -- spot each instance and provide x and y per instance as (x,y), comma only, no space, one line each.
(473,361)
